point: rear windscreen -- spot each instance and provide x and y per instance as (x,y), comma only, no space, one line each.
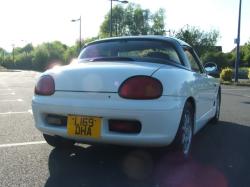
(136,49)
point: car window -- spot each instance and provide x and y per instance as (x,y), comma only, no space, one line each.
(194,64)
(146,50)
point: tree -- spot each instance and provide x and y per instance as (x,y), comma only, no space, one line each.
(133,20)
(202,41)
(246,53)
(118,15)
(70,53)
(46,54)
(158,23)
(28,48)
(2,54)
(41,57)
(137,20)
(221,59)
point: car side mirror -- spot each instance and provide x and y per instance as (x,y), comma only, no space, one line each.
(211,68)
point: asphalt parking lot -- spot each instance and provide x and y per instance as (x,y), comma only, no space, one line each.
(220,153)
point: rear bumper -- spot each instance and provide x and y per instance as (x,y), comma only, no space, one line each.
(159,118)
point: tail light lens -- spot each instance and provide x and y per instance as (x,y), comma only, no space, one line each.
(141,87)
(45,85)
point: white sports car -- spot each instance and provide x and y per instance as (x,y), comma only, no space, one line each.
(140,91)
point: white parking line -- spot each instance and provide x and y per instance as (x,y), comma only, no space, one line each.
(6,89)
(11,100)
(235,89)
(13,93)
(22,144)
(21,112)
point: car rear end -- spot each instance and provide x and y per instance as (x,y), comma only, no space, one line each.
(109,101)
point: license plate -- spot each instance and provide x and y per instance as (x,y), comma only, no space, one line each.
(84,126)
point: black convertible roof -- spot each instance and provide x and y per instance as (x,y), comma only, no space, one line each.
(153,37)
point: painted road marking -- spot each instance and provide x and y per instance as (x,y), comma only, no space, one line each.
(235,89)
(12,100)
(6,89)
(22,144)
(13,93)
(35,143)
(21,112)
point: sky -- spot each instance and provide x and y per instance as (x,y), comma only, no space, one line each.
(38,21)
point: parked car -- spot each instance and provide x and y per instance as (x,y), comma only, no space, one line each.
(139,91)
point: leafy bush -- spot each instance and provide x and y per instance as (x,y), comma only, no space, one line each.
(226,74)
(243,73)
(249,73)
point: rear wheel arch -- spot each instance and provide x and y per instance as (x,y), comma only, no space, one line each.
(183,138)
(192,101)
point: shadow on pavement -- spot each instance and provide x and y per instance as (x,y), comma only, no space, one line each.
(220,157)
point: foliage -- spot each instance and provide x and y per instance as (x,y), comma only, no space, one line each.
(128,20)
(158,27)
(226,74)
(133,20)
(2,55)
(242,73)
(249,73)
(221,59)
(70,53)
(244,55)
(47,54)
(39,58)
(202,41)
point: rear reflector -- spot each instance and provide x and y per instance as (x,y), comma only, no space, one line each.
(56,120)
(125,126)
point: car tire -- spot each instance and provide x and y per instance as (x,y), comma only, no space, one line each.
(216,117)
(184,136)
(58,142)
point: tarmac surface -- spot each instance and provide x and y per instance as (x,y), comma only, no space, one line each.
(219,157)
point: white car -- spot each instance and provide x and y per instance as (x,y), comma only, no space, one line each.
(139,91)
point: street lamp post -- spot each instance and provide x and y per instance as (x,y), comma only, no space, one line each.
(110,23)
(238,46)
(13,54)
(80,39)
(3,57)
(26,43)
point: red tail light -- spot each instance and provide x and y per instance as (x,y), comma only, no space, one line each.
(45,85)
(141,87)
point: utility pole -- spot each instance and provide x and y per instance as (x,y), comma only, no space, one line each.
(110,23)
(3,57)
(80,44)
(80,39)
(238,47)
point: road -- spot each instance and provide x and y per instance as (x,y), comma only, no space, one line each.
(220,153)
